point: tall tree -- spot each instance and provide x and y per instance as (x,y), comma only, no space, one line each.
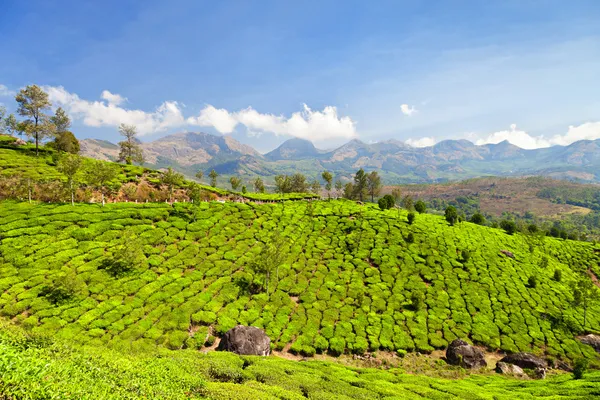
(99,174)
(397,195)
(213,178)
(69,165)
(360,184)
(315,186)
(298,183)
(235,182)
(585,294)
(199,175)
(61,121)
(451,215)
(270,258)
(11,125)
(130,149)
(408,203)
(171,178)
(373,184)
(259,186)
(328,178)
(33,101)
(338,187)
(349,191)
(282,184)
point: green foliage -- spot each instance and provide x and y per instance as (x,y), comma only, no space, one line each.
(478,219)
(532,281)
(580,366)
(130,150)
(386,202)
(420,206)
(410,217)
(509,226)
(557,275)
(451,215)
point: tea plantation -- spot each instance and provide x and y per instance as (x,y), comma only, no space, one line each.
(352,278)
(33,367)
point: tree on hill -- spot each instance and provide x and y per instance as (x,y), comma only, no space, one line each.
(271,257)
(407,202)
(386,202)
(259,186)
(235,182)
(373,184)
(199,175)
(478,218)
(32,103)
(420,206)
(130,150)
(451,215)
(397,195)
(291,184)
(509,226)
(99,174)
(411,217)
(315,187)
(171,178)
(585,295)
(65,140)
(213,175)
(360,184)
(10,125)
(349,191)
(328,178)
(338,188)
(69,165)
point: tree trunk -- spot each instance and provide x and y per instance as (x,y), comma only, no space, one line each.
(102,199)
(72,195)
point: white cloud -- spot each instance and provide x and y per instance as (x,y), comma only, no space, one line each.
(99,113)
(408,110)
(112,98)
(586,131)
(4,92)
(218,118)
(421,142)
(305,124)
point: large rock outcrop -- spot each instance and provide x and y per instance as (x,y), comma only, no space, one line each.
(592,340)
(246,340)
(462,353)
(525,360)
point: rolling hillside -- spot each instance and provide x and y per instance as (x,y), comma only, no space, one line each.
(353,278)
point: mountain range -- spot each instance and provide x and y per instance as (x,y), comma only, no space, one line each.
(396,161)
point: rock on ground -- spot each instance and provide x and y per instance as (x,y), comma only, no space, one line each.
(592,340)
(525,360)
(246,340)
(509,369)
(462,353)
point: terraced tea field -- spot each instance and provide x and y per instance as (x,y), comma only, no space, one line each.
(352,278)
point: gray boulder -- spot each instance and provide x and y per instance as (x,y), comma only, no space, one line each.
(592,340)
(462,353)
(509,369)
(246,340)
(525,360)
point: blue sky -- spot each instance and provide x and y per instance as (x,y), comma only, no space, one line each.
(328,71)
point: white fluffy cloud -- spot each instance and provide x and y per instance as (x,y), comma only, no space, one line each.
(408,110)
(112,98)
(108,113)
(421,142)
(305,124)
(4,92)
(586,131)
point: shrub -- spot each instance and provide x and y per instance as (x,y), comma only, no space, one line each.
(410,238)
(478,219)
(410,217)
(532,281)
(451,215)
(509,226)
(420,206)
(579,367)
(557,275)
(386,202)
(465,255)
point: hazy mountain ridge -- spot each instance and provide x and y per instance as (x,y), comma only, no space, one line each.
(397,161)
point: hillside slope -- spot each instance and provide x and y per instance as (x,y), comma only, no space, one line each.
(348,281)
(36,368)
